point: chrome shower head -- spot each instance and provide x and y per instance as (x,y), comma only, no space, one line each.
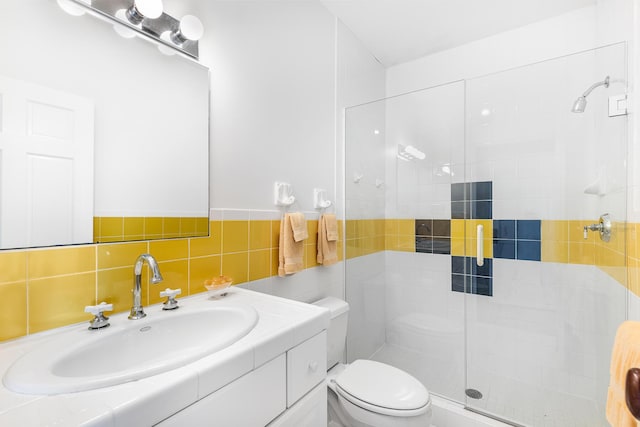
(581,103)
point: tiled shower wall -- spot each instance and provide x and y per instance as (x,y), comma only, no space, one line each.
(530,326)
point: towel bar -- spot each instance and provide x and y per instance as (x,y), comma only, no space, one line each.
(632,392)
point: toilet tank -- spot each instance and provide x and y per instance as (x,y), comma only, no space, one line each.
(337,332)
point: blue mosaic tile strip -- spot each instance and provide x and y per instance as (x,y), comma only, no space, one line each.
(424,227)
(504,229)
(424,245)
(504,249)
(460,210)
(467,276)
(481,209)
(517,239)
(528,229)
(459,192)
(482,286)
(528,250)
(481,191)
(472,200)
(457,283)
(442,245)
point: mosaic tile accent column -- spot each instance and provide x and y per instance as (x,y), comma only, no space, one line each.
(471,202)
(467,276)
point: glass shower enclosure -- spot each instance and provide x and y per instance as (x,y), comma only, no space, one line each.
(468,262)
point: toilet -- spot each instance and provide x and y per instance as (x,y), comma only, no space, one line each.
(366,393)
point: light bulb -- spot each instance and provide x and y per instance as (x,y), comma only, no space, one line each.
(122,29)
(190,29)
(169,51)
(142,9)
(71,8)
(151,9)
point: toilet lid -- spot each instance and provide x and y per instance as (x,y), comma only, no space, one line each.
(382,385)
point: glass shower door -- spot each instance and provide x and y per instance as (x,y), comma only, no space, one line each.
(402,156)
(542,310)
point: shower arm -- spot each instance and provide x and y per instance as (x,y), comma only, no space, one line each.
(604,83)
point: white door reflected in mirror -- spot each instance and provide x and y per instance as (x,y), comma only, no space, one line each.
(46,166)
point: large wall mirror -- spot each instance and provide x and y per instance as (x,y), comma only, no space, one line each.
(102,138)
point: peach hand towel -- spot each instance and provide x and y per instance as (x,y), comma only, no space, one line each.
(290,250)
(327,247)
(299,226)
(625,355)
(331,224)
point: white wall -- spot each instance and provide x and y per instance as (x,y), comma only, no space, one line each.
(522,46)
(281,74)
(360,79)
(273,100)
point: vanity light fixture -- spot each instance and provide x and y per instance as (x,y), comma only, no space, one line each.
(190,28)
(147,17)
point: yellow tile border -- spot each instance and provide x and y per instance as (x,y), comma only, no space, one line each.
(382,234)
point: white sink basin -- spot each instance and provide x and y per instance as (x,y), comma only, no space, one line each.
(83,360)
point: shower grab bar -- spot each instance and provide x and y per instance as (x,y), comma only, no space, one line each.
(480,245)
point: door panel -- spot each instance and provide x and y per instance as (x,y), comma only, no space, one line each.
(42,131)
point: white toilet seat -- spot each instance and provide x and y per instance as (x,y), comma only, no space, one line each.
(382,410)
(382,389)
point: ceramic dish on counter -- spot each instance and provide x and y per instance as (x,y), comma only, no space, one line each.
(218,286)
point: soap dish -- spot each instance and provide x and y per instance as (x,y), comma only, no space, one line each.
(218,286)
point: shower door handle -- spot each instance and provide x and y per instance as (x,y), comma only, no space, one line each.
(480,245)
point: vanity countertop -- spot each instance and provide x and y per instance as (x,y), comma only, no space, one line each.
(282,325)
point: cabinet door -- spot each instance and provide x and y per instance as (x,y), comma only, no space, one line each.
(251,401)
(310,411)
(306,367)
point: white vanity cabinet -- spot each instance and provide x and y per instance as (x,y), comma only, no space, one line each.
(290,387)
(275,376)
(309,411)
(252,400)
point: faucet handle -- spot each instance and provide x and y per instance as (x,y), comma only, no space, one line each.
(100,320)
(170,303)
(98,309)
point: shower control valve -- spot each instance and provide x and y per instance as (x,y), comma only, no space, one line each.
(604,227)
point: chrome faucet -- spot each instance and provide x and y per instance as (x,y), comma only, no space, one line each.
(136,311)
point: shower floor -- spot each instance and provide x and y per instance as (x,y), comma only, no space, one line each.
(503,397)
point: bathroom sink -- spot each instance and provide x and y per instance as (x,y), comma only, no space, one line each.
(81,360)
